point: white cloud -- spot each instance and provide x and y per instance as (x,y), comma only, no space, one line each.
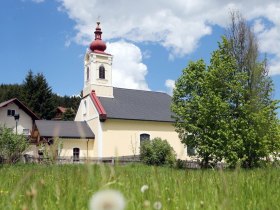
(170,84)
(128,69)
(177,25)
(274,67)
(258,26)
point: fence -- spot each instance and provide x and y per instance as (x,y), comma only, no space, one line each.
(68,160)
(122,160)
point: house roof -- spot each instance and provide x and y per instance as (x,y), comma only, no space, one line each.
(21,105)
(138,105)
(61,109)
(64,129)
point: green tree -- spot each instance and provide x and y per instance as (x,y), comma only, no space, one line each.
(69,114)
(10,91)
(258,110)
(226,110)
(38,95)
(11,145)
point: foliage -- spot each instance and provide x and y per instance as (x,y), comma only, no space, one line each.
(57,186)
(38,96)
(51,150)
(10,91)
(71,102)
(11,145)
(69,114)
(157,152)
(226,110)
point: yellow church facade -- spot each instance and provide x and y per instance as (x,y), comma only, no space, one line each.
(119,118)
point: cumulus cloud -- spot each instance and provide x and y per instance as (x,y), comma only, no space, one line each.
(128,69)
(177,25)
(170,84)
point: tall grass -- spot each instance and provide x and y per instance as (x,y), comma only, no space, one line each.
(71,186)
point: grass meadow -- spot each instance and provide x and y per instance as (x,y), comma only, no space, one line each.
(71,186)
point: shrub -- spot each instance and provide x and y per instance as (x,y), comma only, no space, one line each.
(180,164)
(157,152)
(11,145)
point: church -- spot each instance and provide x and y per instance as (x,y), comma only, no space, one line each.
(113,121)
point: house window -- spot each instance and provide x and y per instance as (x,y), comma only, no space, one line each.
(76,154)
(144,137)
(101,72)
(87,73)
(11,112)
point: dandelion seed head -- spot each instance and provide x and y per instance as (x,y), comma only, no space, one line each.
(157,205)
(201,203)
(144,188)
(107,200)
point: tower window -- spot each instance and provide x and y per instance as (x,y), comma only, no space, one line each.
(87,73)
(101,72)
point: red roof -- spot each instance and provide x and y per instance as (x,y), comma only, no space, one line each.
(62,109)
(21,105)
(98,105)
(97,45)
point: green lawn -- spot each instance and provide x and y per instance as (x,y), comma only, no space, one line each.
(70,187)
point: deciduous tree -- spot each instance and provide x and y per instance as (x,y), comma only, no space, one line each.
(226,110)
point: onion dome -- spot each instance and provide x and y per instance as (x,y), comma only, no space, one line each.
(98,45)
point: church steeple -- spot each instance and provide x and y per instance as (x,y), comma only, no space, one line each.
(98,68)
(98,45)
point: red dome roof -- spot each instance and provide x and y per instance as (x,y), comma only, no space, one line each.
(98,44)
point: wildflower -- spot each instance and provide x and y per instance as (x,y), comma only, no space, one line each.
(201,204)
(107,200)
(144,188)
(157,205)
(42,182)
(24,207)
(32,193)
(146,204)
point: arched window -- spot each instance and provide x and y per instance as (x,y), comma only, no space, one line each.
(144,137)
(87,73)
(85,108)
(76,154)
(101,72)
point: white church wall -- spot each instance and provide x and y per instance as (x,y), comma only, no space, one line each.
(90,115)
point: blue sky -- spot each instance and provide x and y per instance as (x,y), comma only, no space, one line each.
(150,44)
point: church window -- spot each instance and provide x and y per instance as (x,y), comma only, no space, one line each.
(85,107)
(144,137)
(76,154)
(87,73)
(191,151)
(101,72)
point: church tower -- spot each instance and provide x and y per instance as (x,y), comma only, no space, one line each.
(98,68)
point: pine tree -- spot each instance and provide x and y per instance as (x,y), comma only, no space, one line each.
(38,95)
